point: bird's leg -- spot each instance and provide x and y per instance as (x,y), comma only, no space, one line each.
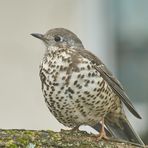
(102,132)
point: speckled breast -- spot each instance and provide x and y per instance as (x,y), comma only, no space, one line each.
(74,91)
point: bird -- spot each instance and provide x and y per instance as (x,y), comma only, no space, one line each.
(80,90)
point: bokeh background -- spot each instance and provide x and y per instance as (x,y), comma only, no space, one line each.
(115,30)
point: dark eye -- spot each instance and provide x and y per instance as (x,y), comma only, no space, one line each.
(57,38)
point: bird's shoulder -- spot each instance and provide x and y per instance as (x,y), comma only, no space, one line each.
(98,64)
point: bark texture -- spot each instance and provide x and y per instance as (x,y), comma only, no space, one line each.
(17,138)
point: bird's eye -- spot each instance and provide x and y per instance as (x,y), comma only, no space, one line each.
(58,38)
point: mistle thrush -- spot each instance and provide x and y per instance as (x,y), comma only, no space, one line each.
(80,90)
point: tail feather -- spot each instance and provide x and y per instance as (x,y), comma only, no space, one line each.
(120,128)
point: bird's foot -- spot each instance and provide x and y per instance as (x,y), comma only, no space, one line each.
(102,134)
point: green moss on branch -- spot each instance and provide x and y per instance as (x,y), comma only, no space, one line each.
(48,139)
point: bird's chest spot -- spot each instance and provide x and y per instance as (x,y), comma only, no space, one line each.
(64,77)
(74,91)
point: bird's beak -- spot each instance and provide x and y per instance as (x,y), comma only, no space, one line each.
(39,36)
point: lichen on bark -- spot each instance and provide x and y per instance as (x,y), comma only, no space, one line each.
(17,138)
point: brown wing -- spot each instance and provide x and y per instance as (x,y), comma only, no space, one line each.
(110,79)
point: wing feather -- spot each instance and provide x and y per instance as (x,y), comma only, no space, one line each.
(110,79)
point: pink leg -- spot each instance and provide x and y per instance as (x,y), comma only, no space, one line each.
(102,134)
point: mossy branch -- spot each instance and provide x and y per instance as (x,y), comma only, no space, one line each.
(15,138)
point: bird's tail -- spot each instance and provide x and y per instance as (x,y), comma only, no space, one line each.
(121,128)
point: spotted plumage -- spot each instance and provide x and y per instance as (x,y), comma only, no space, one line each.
(75,86)
(79,90)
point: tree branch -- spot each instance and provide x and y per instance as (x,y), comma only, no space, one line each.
(64,139)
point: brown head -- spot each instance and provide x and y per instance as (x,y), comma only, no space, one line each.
(59,37)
